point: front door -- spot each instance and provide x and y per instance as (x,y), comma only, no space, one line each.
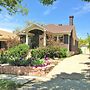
(35,41)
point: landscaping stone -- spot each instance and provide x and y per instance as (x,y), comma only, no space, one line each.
(28,70)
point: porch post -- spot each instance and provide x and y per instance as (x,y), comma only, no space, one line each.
(57,38)
(44,43)
(27,38)
(68,41)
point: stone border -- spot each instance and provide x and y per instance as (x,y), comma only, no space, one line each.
(28,70)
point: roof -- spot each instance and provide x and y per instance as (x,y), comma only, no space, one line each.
(52,28)
(62,29)
(6,35)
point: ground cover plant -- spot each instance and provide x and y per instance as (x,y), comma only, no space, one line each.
(8,85)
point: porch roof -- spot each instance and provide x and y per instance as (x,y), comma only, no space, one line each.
(32,27)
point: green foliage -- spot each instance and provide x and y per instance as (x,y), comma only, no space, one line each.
(3,57)
(18,62)
(18,51)
(51,51)
(79,51)
(88,39)
(13,6)
(37,62)
(82,42)
(63,52)
(47,2)
(17,54)
(7,85)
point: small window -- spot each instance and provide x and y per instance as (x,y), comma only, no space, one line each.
(61,39)
(55,38)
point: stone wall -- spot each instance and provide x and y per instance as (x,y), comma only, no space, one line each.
(25,70)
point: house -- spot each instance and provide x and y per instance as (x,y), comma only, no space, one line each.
(37,35)
(4,37)
(85,49)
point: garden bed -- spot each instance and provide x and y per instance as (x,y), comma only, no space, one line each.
(28,70)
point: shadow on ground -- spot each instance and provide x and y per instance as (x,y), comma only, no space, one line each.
(64,81)
(86,72)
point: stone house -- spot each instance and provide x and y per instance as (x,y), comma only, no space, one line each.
(37,35)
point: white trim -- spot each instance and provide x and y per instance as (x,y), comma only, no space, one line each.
(68,41)
(26,38)
(27,28)
(44,39)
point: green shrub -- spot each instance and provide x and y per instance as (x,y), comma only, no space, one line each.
(19,62)
(38,53)
(3,57)
(51,51)
(63,52)
(7,85)
(37,62)
(79,51)
(16,55)
(18,51)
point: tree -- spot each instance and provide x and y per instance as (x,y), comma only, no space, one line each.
(47,2)
(82,42)
(87,0)
(14,6)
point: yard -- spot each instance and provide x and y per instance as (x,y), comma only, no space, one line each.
(15,60)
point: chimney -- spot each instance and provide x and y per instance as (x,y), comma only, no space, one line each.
(59,24)
(71,20)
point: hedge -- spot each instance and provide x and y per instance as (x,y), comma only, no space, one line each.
(50,52)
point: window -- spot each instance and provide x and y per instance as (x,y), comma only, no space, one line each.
(66,39)
(55,38)
(61,39)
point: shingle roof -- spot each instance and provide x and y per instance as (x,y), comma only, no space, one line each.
(62,29)
(5,35)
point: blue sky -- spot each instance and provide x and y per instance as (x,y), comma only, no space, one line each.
(58,13)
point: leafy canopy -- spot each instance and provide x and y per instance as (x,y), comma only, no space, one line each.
(14,6)
(82,42)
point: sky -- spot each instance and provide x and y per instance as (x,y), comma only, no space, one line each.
(58,13)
